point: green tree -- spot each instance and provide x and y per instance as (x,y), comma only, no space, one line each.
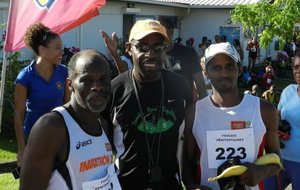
(276,19)
(14,65)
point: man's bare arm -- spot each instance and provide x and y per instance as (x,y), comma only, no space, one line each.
(46,143)
(256,173)
(190,157)
(200,85)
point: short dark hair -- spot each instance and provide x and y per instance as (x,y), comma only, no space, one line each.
(72,63)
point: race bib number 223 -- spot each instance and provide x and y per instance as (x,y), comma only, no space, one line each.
(226,144)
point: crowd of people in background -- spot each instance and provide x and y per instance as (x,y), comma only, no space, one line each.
(154,122)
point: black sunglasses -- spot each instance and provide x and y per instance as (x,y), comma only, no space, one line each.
(141,47)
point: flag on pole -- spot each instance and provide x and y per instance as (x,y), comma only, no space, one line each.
(59,15)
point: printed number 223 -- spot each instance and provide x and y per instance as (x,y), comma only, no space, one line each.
(239,152)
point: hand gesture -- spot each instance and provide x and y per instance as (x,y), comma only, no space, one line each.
(110,43)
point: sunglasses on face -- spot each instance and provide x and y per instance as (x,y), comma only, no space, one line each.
(142,47)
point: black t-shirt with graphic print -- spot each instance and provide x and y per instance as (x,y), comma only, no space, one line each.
(129,135)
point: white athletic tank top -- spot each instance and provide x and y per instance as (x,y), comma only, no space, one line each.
(88,160)
(226,132)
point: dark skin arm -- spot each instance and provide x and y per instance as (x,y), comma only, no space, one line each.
(20,109)
(200,85)
(256,173)
(190,157)
(47,146)
(196,71)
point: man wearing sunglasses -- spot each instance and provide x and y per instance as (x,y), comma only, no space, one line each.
(147,112)
(181,59)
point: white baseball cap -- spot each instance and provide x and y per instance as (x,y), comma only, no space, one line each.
(221,48)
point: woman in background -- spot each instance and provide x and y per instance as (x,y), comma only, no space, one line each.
(41,86)
(239,48)
(289,110)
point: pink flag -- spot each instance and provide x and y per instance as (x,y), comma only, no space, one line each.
(59,15)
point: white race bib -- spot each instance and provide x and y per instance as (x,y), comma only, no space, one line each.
(109,182)
(225,144)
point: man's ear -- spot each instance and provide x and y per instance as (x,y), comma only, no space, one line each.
(128,48)
(70,85)
(205,72)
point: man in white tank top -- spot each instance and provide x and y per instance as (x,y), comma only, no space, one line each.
(228,124)
(68,147)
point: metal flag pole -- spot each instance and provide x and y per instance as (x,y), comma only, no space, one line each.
(3,74)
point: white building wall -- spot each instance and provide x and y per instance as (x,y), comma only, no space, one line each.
(110,20)
(203,22)
(193,23)
(207,22)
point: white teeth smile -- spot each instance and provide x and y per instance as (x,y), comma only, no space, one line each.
(150,65)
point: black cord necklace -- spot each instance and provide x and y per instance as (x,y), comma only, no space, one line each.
(154,171)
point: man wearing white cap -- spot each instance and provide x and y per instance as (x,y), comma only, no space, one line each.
(228,124)
(147,110)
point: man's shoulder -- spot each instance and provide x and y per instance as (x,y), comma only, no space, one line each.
(52,121)
(49,125)
(52,118)
(266,106)
(121,78)
(120,83)
(175,81)
(170,75)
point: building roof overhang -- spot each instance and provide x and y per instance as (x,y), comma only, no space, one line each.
(210,4)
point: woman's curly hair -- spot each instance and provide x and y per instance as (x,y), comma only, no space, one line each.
(38,34)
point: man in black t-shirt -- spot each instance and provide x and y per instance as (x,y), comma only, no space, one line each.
(185,61)
(147,110)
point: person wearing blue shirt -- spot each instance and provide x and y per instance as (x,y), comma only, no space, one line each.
(289,110)
(41,86)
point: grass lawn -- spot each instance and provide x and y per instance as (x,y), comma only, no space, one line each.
(8,147)
(7,181)
(280,83)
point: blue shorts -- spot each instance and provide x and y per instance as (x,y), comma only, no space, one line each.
(290,174)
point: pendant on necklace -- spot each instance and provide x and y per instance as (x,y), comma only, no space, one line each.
(155,174)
